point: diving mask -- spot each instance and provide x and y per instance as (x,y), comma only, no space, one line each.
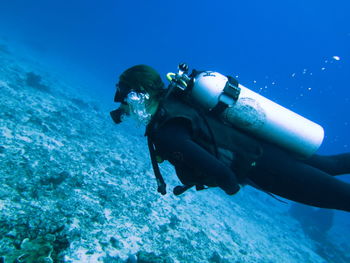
(138,103)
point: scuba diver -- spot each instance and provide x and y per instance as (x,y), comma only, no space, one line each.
(218,133)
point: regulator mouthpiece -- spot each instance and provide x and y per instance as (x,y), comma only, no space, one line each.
(138,103)
(117,115)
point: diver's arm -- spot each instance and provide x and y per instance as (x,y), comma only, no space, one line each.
(174,141)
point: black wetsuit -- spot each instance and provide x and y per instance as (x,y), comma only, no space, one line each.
(308,181)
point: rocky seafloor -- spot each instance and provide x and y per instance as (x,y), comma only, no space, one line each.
(77,188)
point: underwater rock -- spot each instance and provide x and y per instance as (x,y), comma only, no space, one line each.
(174,221)
(33,80)
(243,252)
(2,149)
(216,258)
(4,49)
(54,179)
(132,259)
(145,257)
(110,259)
(115,243)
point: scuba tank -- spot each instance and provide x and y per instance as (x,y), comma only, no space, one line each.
(248,110)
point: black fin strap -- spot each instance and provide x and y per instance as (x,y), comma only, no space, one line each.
(159,178)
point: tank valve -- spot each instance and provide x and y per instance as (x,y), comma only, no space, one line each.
(183,67)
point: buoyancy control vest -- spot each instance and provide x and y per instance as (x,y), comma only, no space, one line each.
(231,146)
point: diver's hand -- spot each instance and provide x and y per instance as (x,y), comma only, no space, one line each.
(231,187)
(180,189)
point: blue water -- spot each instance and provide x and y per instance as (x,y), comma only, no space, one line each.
(295,52)
(263,41)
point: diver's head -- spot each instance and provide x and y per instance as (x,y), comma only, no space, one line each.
(140,79)
(139,89)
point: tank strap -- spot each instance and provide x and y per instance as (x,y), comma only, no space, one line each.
(231,90)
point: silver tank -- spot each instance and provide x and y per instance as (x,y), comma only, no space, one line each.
(259,116)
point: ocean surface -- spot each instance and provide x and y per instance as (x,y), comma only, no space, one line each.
(296,53)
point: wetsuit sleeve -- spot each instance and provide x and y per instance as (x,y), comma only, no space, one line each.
(174,142)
